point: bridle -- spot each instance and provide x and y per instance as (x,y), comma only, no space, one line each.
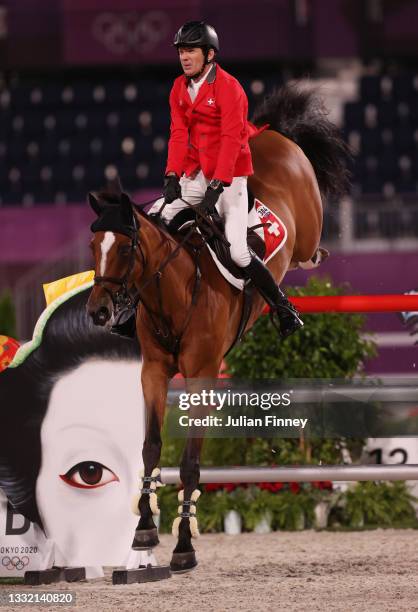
(124,299)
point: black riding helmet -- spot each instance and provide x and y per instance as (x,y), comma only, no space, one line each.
(197,34)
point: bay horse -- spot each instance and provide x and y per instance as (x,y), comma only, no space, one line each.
(188,314)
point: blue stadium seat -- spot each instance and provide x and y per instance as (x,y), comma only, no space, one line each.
(330,228)
(353,115)
(370,90)
(404,88)
(404,139)
(387,114)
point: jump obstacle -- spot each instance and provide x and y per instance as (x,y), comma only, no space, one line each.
(336,473)
(356,303)
(311,473)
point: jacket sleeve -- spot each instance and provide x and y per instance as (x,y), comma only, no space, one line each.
(234,108)
(179,134)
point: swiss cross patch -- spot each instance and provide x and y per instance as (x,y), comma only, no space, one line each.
(275,232)
(211,101)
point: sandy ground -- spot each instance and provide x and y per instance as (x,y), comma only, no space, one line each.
(361,571)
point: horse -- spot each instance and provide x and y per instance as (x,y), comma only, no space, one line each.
(187,314)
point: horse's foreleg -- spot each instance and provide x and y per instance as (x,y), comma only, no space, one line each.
(154,384)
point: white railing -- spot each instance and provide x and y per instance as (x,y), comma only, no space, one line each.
(311,473)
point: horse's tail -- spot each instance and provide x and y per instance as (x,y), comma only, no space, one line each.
(301,116)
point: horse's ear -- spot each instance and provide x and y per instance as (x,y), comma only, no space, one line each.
(95,203)
(126,205)
(114,186)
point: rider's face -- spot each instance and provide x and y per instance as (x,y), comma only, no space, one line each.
(191,59)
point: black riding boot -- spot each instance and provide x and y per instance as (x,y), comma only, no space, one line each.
(264,282)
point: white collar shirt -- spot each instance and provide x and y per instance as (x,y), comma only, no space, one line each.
(194,86)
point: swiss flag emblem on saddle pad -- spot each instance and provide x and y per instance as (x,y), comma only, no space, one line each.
(275,232)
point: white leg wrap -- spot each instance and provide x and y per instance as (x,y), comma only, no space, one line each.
(195,495)
(153,503)
(175,528)
(152,496)
(194,530)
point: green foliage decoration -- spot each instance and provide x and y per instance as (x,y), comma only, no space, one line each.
(383,504)
(330,345)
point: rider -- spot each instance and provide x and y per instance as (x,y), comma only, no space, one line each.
(209,158)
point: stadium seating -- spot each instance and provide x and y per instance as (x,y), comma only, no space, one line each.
(62,138)
(384,122)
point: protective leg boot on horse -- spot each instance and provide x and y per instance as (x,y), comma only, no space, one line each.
(288,316)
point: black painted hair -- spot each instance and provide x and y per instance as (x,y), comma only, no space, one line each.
(69,339)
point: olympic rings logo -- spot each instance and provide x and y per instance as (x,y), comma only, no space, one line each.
(122,33)
(18,563)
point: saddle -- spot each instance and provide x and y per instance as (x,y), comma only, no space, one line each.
(179,227)
(186,217)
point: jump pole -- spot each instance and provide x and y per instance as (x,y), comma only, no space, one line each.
(356,303)
(336,473)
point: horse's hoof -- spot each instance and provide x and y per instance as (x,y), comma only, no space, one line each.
(183,562)
(145,538)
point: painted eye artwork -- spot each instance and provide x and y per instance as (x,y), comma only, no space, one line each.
(89,475)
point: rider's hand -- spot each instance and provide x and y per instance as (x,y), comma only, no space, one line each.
(172,189)
(214,190)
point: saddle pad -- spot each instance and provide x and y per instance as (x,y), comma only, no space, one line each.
(274,235)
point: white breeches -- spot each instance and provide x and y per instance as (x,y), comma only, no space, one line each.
(232,207)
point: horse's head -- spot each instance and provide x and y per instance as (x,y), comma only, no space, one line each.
(117,254)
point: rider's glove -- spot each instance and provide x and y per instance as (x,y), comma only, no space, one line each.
(214,190)
(172,189)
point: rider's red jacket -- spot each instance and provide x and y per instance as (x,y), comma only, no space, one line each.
(212,132)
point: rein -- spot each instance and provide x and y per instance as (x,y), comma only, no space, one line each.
(163,332)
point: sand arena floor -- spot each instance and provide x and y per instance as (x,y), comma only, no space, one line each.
(361,571)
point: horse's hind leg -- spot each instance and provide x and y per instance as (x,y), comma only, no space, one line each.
(154,384)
